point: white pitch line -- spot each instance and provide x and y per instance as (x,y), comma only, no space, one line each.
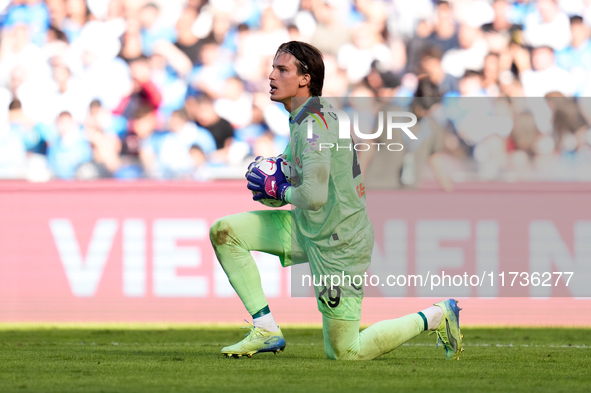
(511,345)
(505,345)
(498,345)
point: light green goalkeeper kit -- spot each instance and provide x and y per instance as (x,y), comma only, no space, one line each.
(335,237)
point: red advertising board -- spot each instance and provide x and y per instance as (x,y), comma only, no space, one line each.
(140,252)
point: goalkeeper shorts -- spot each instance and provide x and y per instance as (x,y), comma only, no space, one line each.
(342,301)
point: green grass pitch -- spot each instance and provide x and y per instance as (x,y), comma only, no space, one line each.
(187,359)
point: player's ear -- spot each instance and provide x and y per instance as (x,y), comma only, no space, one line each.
(305,80)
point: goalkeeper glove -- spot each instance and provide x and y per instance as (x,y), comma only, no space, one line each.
(273,186)
(257,160)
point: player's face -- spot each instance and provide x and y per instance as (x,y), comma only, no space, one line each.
(284,80)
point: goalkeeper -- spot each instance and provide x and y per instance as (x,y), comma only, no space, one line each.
(328,228)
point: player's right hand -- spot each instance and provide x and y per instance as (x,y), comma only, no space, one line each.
(272,185)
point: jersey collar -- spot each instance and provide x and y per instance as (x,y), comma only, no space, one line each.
(295,115)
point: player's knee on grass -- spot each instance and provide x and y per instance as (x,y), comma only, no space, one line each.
(340,350)
(341,339)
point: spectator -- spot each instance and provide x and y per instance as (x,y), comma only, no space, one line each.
(187,42)
(578,53)
(248,62)
(471,84)
(57,12)
(223,33)
(417,45)
(58,55)
(105,147)
(510,85)
(470,56)
(99,118)
(33,135)
(235,105)
(490,81)
(500,33)
(199,167)
(501,24)
(576,58)
(520,9)
(18,52)
(387,170)
(131,48)
(169,67)
(335,82)
(143,145)
(211,75)
(567,122)
(152,30)
(545,76)
(266,146)
(522,147)
(144,92)
(444,35)
(202,112)
(12,153)
(404,19)
(56,43)
(357,57)
(174,158)
(431,65)
(294,33)
(330,34)
(549,26)
(382,82)
(69,149)
(257,48)
(101,133)
(376,14)
(272,33)
(67,95)
(77,14)
(33,14)
(103,75)
(524,134)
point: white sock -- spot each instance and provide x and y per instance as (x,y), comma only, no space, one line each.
(267,322)
(433,315)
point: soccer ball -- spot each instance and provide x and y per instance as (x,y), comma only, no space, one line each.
(269,167)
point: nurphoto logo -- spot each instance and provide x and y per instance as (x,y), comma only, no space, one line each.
(345,126)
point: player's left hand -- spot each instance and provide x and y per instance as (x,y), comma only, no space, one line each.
(272,186)
(256,161)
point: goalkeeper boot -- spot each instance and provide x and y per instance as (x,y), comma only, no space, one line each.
(448,331)
(257,340)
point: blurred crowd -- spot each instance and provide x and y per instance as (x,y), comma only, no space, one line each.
(177,89)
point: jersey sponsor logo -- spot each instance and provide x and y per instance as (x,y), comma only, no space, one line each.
(360,190)
(313,139)
(312,143)
(315,114)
